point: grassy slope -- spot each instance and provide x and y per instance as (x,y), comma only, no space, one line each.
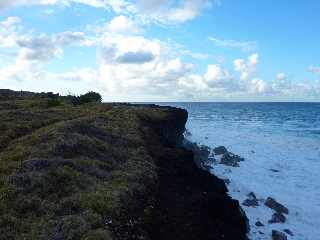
(102,171)
(68,171)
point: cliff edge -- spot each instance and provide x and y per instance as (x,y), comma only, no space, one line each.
(101,171)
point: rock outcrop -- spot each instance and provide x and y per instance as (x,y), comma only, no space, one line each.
(227,158)
(105,172)
(277,218)
(276,206)
(251,201)
(276,235)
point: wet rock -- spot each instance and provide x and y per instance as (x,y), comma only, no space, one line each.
(274,170)
(289,232)
(226,181)
(201,154)
(278,207)
(276,235)
(259,224)
(251,201)
(277,218)
(187,133)
(231,160)
(220,150)
(251,195)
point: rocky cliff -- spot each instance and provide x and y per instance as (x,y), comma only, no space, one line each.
(105,171)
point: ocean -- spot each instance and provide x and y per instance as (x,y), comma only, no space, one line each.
(280,143)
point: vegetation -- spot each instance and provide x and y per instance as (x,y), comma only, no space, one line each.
(67,169)
(73,168)
(90,97)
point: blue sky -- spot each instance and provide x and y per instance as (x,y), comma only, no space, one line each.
(163,50)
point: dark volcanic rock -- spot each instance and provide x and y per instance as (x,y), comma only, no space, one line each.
(289,232)
(201,154)
(189,211)
(251,195)
(220,150)
(259,224)
(226,180)
(273,204)
(251,201)
(231,160)
(277,218)
(276,235)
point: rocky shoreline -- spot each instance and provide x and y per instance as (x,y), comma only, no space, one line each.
(105,171)
(209,158)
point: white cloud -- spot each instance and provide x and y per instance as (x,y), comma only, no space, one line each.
(193,83)
(34,52)
(87,75)
(10,22)
(195,55)
(164,11)
(41,48)
(133,67)
(170,11)
(258,86)
(246,67)
(314,69)
(122,25)
(8,31)
(218,77)
(126,48)
(72,38)
(13,3)
(243,46)
(281,76)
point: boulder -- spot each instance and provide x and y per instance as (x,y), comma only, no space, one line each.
(251,201)
(277,218)
(259,224)
(251,195)
(231,160)
(273,204)
(276,235)
(289,232)
(220,150)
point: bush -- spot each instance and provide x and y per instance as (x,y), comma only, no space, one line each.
(90,97)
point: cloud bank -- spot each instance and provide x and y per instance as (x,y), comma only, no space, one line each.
(131,66)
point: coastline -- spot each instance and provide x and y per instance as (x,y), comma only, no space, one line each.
(280,147)
(105,171)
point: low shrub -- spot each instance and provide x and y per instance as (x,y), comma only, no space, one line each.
(90,97)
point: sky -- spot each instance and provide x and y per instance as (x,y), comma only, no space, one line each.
(163,50)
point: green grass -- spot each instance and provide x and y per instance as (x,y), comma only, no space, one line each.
(65,169)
